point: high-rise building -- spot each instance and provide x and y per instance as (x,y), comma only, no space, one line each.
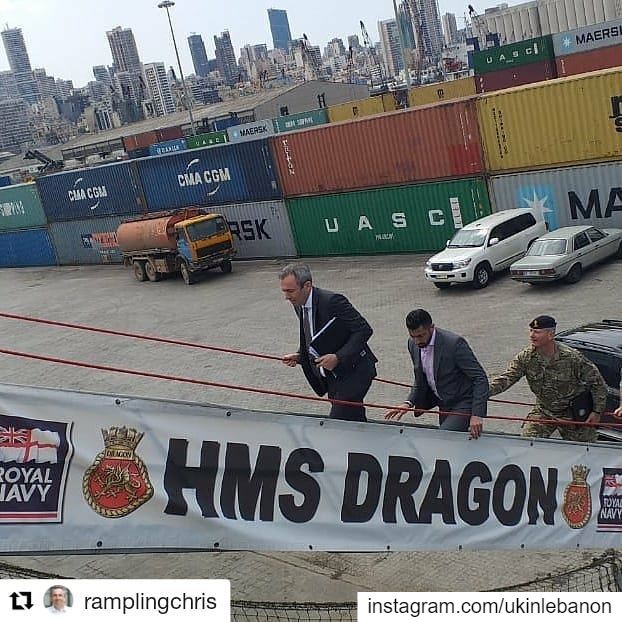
(450,29)
(279,27)
(431,28)
(199,55)
(353,42)
(15,128)
(64,88)
(390,42)
(159,88)
(46,84)
(124,51)
(406,28)
(225,57)
(8,86)
(101,74)
(19,62)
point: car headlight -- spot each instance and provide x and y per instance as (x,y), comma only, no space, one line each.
(463,263)
(428,263)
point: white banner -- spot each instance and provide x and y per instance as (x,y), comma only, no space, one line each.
(83,471)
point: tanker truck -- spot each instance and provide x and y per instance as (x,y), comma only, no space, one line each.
(189,241)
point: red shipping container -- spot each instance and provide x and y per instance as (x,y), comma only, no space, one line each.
(169,133)
(593,60)
(515,76)
(430,142)
(146,139)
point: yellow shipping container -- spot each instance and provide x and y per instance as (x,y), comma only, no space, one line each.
(554,123)
(361,108)
(441,91)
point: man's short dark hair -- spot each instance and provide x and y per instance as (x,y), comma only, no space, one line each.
(418,318)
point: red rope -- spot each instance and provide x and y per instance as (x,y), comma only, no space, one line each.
(189,344)
(233,387)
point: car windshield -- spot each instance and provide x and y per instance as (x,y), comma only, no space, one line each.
(547,247)
(468,237)
(206,228)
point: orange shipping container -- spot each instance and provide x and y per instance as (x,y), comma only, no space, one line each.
(430,142)
(593,60)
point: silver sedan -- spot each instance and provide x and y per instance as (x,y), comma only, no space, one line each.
(565,253)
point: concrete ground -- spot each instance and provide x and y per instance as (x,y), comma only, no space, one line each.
(245,310)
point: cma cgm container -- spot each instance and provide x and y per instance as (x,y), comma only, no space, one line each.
(426,143)
(232,173)
(20,207)
(588,38)
(111,190)
(210,139)
(386,220)
(513,55)
(441,91)
(30,247)
(301,120)
(561,122)
(577,195)
(594,60)
(516,76)
(92,241)
(361,108)
(260,230)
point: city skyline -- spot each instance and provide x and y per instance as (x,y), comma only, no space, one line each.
(84,26)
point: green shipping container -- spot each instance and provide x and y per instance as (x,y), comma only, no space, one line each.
(20,208)
(206,140)
(395,219)
(300,121)
(513,54)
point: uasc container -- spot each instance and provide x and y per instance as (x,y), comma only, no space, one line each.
(513,54)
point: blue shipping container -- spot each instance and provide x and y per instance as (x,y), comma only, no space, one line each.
(237,173)
(111,190)
(168,146)
(5,180)
(222,124)
(30,247)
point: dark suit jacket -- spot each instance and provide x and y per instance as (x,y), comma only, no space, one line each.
(327,305)
(461,382)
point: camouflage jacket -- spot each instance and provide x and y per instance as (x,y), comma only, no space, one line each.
(554,381)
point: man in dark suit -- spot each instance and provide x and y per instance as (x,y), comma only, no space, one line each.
(447,375)
(345,374)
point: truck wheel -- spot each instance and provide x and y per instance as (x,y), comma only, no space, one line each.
(138,268)
(186,275)
(226,266)
(481,276)
(151,272)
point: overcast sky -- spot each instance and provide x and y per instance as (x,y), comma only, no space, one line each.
(68,37)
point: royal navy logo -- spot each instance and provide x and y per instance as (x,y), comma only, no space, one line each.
(117,483)
(610,515)
(577,506)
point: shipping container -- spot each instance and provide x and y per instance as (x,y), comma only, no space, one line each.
(513,54)
(83,242)
(396,219)
(260,230)
(301,120)
(221,125)
(144,139)
(28,247)
(441,91)
(560,122)
(210,139)
(235,173)
(588,38)
(361,108)
(515,76)
(250,131)
(138,153)
(577,195)
(5,180)
(168,146)
(420,144)
(111,190)
(20,208)
(594,60)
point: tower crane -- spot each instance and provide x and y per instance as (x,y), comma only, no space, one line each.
(376,65)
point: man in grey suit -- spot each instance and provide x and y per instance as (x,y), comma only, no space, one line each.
(447,375)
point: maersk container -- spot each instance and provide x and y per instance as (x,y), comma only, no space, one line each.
(82,242)
(420,144)
(20,207)
(210,139)
(110,190)
(593,60)
(513,54)
(398,219)
(588,38)
(516,76)
(301,120)
(168,146)
(561,122)
(260,230)
(577,195)
(232,173)
(29,247)
(250,131)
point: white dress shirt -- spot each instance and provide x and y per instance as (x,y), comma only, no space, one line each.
(427,363)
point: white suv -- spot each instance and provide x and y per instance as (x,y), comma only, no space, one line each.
(484,246)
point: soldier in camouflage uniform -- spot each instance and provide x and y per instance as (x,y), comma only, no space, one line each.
(556,374)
